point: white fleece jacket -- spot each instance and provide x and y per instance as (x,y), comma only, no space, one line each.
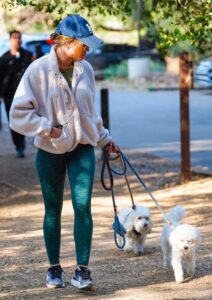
(43,99)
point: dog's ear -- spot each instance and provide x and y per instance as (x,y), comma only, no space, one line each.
(129,223)
(172,239)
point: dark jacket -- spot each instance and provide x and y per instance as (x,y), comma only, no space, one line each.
(11,70)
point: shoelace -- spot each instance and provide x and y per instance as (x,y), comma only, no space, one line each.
(56,272)
(84,273)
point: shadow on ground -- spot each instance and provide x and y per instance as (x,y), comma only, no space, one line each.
(23,260)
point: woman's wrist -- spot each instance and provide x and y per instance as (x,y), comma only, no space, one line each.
(112,147)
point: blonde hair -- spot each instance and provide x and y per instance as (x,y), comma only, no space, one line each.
(59,39)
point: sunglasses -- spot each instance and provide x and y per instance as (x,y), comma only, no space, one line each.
(84,46)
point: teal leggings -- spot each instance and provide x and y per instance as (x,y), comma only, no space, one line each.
(80,165)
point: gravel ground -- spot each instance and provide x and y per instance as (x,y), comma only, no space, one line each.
(23,260)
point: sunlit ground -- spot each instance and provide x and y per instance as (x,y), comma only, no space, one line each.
(118,275)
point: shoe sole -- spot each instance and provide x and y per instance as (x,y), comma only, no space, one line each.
(89,287)
(49,286)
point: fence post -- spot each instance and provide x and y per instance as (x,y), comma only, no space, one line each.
(105,108)
(185,84)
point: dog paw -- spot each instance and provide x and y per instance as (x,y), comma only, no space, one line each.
(179,279)
(128,250)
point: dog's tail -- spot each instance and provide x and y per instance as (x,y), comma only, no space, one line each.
(176,214)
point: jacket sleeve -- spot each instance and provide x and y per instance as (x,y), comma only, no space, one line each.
(104,136)
(24,116)
(103,133)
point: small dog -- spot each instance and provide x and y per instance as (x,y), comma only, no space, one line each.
(179,244)
(138,225)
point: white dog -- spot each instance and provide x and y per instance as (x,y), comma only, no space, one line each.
(137,223)
(179,244)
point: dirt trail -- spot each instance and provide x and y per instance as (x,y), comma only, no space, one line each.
(23,260)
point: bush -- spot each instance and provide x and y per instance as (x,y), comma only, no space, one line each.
(157,66)
(119,70)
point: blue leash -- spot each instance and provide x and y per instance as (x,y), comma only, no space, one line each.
(124,158)
(117,226)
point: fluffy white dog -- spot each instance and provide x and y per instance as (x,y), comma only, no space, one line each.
(138,224)
(179,244)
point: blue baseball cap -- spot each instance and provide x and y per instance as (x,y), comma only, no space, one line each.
(77,27)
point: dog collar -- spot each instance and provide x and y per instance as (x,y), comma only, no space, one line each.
(136,232)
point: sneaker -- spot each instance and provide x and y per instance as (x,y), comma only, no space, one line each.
(82,279)
(54,277)
(20,154)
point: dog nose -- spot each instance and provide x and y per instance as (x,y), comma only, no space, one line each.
(145,225)
(186,248)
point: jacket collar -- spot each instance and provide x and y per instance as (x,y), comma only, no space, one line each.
(54,68)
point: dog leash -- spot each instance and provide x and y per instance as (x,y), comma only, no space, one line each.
(127,182)
(117,226)
(124,158)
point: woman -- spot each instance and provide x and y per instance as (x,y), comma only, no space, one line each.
(55,103)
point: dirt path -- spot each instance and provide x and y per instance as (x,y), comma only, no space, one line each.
(23,260)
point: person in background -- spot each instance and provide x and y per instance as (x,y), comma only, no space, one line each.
(13,64)
(55,102)
(38,51)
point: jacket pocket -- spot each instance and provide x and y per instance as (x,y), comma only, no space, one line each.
(67,141)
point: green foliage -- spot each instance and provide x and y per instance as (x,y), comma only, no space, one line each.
(172,23)
(146,9)
(157,66)
(60,8)
(178,22)
(119,70)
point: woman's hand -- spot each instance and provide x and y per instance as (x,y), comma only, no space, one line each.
(112,147)
(55,133)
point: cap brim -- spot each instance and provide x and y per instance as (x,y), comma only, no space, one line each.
(91,41)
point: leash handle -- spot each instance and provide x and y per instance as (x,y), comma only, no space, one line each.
(119,230)
(106,165)
(117,226)
(111,171)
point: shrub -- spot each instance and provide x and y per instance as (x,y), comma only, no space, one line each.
(119,70)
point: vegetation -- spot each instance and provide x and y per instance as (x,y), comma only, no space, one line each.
(119,70)
(60,8)
(183,24)
(186,23)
